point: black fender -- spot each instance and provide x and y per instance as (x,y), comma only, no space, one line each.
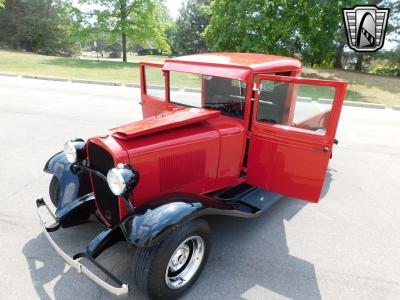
(148,226)
(73,184)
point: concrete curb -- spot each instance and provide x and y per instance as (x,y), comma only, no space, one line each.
(136,85)
(324,101)
(364,104)
(45,78)
(155,87)
(304,99)
(96,82)
(354,103)
(133,85)
(8,74)
(191,90)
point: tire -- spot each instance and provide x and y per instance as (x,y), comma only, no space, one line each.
(54,190)
(151,266)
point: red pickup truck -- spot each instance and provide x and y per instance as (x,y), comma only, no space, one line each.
(222,134)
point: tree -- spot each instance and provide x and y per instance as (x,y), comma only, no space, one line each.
(2,4)
(340,38)
(190,25)
(316,22)
(138,20)
(37,26)
(288,27)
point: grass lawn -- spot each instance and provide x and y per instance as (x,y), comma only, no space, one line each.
(362,87)
(33,64)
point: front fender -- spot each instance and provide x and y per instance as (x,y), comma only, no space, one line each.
(149,226)
(73,185)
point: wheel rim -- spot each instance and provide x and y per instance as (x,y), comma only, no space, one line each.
(184,262)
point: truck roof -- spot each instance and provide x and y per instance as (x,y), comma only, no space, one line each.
(251,62)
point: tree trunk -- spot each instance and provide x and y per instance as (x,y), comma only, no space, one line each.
(359,62)
(124,56)
(339,56)
(124,16)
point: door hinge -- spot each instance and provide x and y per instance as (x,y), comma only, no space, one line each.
(257,90)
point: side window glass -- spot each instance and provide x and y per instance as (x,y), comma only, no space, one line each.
(185,89)
(155,82)
(296,105)
(226,95)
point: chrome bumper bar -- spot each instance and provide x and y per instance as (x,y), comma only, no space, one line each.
(122,288)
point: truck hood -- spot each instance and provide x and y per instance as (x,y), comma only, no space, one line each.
(165,121)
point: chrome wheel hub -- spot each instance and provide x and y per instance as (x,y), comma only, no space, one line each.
(184,262)
(179,257)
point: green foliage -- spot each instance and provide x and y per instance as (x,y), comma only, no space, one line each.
(40,26)
(287,27)
(2,4)
(313,30)
(387,63)
(139,20)
(188,34)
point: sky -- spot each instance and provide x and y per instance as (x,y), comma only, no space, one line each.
(174,6)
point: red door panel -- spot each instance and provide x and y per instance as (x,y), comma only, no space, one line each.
(286,168)
(288,157)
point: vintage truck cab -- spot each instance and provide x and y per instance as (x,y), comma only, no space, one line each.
(222,134)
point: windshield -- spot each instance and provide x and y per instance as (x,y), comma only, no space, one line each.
(223,94)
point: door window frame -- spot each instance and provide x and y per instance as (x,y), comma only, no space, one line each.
(294,132)
(143,85)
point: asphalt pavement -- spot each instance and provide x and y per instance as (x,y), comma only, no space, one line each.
(345,247)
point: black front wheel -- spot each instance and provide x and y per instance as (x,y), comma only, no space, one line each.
(169,269)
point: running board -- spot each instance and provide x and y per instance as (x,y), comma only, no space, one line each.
(259,200)
(247,198)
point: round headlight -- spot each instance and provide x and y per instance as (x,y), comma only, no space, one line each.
(75,150)
(121,179)
(116,181)
(70,152)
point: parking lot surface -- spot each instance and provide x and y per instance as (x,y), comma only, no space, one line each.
(345,247)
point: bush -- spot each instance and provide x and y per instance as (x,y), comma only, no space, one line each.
(390,70)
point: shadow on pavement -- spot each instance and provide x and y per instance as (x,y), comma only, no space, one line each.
(53,279)
(327,183)
(249,259)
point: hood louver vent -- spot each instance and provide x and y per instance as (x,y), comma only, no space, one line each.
(182,168)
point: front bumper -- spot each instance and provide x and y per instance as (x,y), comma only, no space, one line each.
(120,290)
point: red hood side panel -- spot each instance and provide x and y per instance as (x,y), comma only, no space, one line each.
(196,158)
(183,159)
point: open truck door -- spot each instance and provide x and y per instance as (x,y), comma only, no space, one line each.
(293,129)
(153,92)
